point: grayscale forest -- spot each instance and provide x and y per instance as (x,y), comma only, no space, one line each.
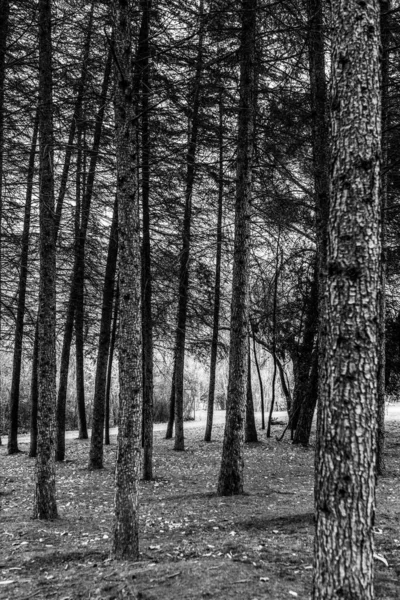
(199,311)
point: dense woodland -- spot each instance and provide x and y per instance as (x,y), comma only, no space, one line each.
(199,207)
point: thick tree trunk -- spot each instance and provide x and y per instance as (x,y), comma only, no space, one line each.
(77,277)
(147,319)
(231,473)
(346,453)
(217,286)
(250,432)
(171,419)
(385,37)
(126,522)
(45,487)
(109,368)
(4,16)
(183,289)
(23,277)
(96,442)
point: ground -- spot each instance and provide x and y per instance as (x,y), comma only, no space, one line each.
(194,544)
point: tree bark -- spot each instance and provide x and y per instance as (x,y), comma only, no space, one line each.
(23,277)
(307,409)
(346,453)
(45,488)
(96,442)
(260,384)
(77,277)
(385,6)
(147,318)
(34,395)
(171,419)
(194,108)
(109,368)
(126,522)
(4,19)
(250,432)
(217,285)
(231,472)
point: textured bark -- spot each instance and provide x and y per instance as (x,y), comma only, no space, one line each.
(250,432)
(109,368)
(4,19)
(320,134)
(307,409)
(19,323)
(345,466)
(126,522)
(217,285)
(96,441)
(147,319)
(183,289)
(78,277)
(171,419)
(385,6)
(231,472)
(45,498)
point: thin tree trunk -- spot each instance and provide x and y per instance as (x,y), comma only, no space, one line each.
(304,423)
(4,16)
(45,487)
(217,286)
(346,453)
(231,472)
(171,419)
(385,6)
(147,319)
(109,368)
(194,109)
(23,276)
(34,396)
(65,172)
(250,432)
(260,384)
(77,278)
(274,309)
(126,521)
(96,442)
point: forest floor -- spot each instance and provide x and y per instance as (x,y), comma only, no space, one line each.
(194,544)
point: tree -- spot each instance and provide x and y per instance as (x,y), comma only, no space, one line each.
(231,472)
(126,522)
(45,500)
(345,461)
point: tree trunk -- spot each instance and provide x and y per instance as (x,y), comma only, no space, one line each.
(171,419)
(231,473)
(217,286)
(96,442)
(126,522)
(307,409)
(4,14)
(260,384)
(77,279)
(45,486)
(250,432)
(274,309)
(385,6)
(23,276)
(193,108)
(345,461)
(34,396)
(147,319)
(109,368)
